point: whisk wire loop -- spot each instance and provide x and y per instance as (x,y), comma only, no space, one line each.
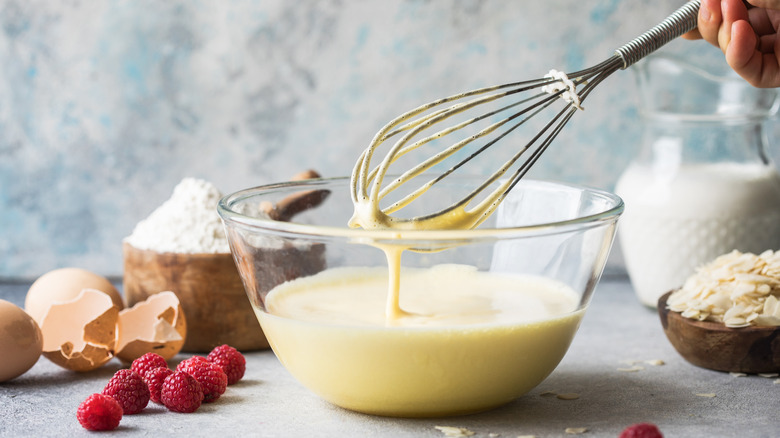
(442,155)
(415,129)
(420,168)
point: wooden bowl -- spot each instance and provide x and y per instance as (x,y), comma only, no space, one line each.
(209,289)
(714,346)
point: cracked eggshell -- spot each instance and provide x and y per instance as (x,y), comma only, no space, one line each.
(21,342)
(154,325)
(81,334)
(65,284)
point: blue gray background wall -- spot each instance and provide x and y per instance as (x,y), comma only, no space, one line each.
(105,105)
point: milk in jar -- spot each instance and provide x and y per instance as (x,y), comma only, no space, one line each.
(702,184)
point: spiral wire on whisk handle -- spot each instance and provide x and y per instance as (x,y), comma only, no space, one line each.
(681,21)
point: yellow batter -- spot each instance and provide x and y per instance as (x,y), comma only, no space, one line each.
(466,341)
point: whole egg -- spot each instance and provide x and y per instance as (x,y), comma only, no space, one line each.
(21,342)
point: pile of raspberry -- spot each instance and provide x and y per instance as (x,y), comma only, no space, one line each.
(195,381)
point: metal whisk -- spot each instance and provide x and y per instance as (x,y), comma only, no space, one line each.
(513,105)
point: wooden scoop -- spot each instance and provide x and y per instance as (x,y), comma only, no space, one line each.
(288,207)
(714,346)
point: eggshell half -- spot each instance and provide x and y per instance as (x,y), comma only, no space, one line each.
(21,341)
(65,284)
(155,325)
(81,334)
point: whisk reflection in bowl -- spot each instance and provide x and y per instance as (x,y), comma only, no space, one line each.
(557,93)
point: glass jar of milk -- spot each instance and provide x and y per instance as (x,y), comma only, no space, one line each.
(702,184)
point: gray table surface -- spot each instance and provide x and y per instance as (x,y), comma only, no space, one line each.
(268,402)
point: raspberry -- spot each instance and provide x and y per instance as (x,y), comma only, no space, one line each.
(129,389)
(209,375)
(148,361)
(232,362)
(191,362)
(181,392)
(154,378)
(99,412)
(641,430)
(193,359)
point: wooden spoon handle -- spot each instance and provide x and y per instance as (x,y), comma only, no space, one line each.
(288,207)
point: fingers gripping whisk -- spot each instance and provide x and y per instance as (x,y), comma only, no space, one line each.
(470,125)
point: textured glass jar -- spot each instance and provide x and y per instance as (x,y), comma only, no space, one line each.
(702,184)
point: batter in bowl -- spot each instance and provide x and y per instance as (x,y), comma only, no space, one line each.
(466,340)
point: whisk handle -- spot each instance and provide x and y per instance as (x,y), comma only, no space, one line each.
(681,21)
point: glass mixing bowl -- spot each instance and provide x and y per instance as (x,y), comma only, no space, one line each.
(477,328)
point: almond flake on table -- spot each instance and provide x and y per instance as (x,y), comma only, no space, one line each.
(451,431)
(777,381)
(632,369)
(568,396)
(706,394)
(734,374)
(526,436)
(576,430)
(655,362)
(767,375)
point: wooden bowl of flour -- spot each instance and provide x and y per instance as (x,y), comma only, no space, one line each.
(212,295)
(210,292)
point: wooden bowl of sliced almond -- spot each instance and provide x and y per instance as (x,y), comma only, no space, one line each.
(726,316)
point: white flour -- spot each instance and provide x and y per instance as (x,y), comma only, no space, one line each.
(186,223)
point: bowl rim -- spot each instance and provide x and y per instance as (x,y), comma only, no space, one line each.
(233,218)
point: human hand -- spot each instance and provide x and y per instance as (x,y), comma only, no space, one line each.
(747,33)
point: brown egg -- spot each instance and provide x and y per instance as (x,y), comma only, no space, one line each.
(154,325)
(81,334)
(83,324)
(65,284)
(20,341)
